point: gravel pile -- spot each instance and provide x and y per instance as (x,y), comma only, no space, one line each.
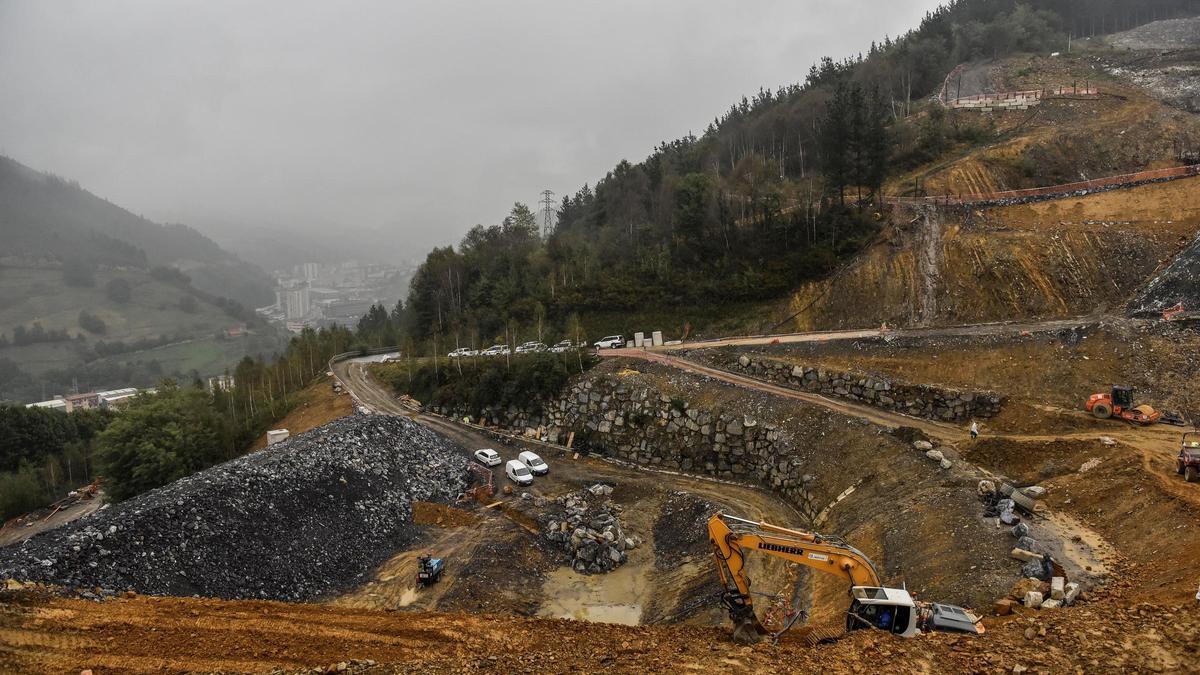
(296,521)
(587,526)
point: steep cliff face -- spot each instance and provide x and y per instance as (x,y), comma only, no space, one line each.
(1044,260)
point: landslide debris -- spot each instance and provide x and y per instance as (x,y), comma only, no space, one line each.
(296,521)
(1177,284)
(681,530)
(587,525)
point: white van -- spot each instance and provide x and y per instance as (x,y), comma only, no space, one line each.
(518,472)
(535,463)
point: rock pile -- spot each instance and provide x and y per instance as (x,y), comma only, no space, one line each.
(587,525)
(296,521)
(1043,584)
(918,400)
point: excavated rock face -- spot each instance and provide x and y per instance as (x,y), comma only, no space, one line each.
(1178,283)
(296,521)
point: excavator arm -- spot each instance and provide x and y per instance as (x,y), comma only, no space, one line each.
(732,538)
(873,606)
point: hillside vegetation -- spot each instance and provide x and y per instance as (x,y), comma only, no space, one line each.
(781,190)
(43,216)
(94,297)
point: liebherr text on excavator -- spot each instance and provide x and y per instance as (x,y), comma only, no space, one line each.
(872,605)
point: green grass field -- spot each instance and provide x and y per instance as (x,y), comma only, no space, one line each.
(31,294)
(40,295)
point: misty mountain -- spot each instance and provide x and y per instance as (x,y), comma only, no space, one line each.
(43,216)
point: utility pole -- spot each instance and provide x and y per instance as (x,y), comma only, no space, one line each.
(547,203)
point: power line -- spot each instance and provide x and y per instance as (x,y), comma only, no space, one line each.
(547,203)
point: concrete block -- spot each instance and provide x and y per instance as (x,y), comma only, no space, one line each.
(639,339)
(656,338)
(276,435)
(1033,600)
(1057,587)
(1071,593)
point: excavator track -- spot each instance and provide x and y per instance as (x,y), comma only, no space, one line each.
(819,635)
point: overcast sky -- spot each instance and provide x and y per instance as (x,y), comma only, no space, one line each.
(411,119)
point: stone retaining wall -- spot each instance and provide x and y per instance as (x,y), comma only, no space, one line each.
(639,424)
(935,403)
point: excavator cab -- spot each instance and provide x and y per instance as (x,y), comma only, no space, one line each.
(886,609)
(1122,397)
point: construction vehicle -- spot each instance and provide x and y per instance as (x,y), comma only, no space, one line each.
(1119,403)
(429,570)
(1188,462)
(872,605)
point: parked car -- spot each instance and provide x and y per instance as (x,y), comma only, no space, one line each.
(535,463)
(462,351)
(564,346)
(518,472)
(531,347)
(610,342)
(487,457)
(496,350)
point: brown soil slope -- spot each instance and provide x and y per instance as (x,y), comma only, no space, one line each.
(141,635)
(1061,258)
(317,405)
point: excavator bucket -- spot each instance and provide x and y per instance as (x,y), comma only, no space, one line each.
(748,631)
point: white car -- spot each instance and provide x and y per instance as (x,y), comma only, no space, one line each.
(487,457)
(462,351)
(518,472)
(564,346)
(535,463)
(531,347)
(610,342)
(496,350)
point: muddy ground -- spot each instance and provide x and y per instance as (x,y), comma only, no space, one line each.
(1117,517)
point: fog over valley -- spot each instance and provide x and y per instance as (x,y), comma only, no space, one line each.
(293,124)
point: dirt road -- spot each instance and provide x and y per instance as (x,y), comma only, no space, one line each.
(831,335)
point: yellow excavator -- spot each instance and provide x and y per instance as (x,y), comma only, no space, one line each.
(872,605)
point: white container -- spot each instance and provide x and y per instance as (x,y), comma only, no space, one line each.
(276,435)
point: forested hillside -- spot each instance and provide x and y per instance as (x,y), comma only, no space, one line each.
(778,190)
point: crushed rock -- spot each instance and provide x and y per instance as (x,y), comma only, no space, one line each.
(297,521)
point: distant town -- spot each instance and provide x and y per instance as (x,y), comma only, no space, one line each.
(312,295)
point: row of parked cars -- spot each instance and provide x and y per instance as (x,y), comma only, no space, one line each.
(520,470)
(607,342)
(527,348)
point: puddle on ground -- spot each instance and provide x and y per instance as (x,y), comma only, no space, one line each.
(615,597)
(1085,557)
